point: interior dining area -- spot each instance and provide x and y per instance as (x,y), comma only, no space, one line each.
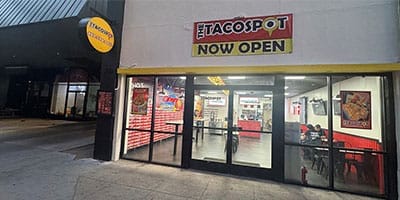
(335,138)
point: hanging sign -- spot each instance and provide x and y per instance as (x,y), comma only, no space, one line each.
(99,33)
(243,36)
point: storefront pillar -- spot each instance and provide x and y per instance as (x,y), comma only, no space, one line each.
(119,116)
(103,146)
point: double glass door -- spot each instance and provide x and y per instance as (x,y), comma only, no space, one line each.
(233,128)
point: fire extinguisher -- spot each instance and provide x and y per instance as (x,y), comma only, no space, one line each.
(304,175)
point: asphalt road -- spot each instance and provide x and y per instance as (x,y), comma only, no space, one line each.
(72,137)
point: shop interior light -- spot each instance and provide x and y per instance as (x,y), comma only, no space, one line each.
(217,80)
(268,95)
(236,77)
(16,67)
(286,87)
(295,77)
(336,98)
(241,92)
(183,77)
(286,93)
(212,92)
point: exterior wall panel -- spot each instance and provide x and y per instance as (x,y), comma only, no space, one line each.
(158,33)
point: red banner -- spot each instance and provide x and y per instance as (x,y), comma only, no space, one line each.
(104,103)
(244,29)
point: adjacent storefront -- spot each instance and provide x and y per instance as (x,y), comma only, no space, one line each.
(287,92)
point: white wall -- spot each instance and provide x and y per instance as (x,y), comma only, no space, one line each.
(159,32)
(371,84)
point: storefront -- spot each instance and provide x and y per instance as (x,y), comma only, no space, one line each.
(306,102)
(46,68)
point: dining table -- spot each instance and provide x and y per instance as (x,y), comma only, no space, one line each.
(176,123)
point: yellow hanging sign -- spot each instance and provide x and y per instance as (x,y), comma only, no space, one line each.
(100,34)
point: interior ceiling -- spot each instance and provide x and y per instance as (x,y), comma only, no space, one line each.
(292,87)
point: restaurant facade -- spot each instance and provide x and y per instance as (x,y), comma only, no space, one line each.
(300,93)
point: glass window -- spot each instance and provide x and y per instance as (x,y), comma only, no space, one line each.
(163,133)
(357,127)
(306,114)
(170,99)
(169,106)
(91,99)
(58,98)
(140,102)
(306,130)
(137,145)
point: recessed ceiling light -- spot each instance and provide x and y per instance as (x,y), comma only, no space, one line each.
(236,77)
(241,92)
(294,77)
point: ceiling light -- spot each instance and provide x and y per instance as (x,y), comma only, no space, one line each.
(286,87)
(236,77)
(16,67)
(241,92)
(295,77)
(286,93)
(183,77)
(268,95)
(212,92)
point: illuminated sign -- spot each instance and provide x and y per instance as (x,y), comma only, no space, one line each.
(248,100)
(243,36)
(100,34)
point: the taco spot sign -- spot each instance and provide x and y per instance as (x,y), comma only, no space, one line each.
(243,36)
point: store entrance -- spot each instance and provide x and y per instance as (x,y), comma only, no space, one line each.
(233,130)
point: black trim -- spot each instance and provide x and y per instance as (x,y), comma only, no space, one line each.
(278,133)
(187,122)
(389,136)
(153,116)
(330,133)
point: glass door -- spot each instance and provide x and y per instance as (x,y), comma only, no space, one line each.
(252,128)
(233,127)
(75,104)
(210,125)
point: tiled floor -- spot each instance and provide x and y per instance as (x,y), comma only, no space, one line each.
(251,151)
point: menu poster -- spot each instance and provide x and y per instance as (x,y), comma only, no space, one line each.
(356,109)
(170,99)
(104,102)
(198,107)
(140,99)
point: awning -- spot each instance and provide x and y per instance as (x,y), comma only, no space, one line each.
(276,69)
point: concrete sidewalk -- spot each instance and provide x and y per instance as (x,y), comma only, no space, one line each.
(39,174)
